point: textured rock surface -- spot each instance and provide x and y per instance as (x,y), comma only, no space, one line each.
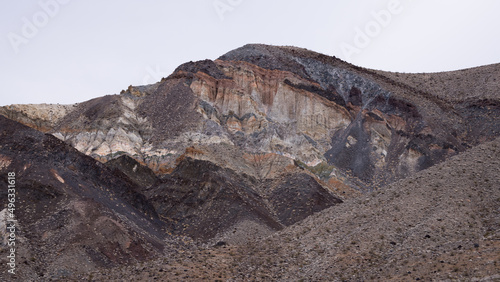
(42,117)
(204,201)
(138,173)
(373,127)
(74,208)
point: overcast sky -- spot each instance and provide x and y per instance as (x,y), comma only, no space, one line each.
(67,51)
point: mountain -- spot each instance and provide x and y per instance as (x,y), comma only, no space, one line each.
(367,128)
(222,154)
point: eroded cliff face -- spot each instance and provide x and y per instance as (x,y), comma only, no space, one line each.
(264,112)
(342,123)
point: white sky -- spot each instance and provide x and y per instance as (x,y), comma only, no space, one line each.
(74,50)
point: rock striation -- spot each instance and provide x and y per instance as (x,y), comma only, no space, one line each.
(372,127)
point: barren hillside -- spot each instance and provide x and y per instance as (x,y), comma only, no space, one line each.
(441,224)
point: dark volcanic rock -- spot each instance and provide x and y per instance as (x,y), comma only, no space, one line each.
(483,116)
(267,57)
(330,93)
(171,110)
(96,112)
(205,66)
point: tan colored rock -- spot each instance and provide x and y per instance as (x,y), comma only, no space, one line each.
(42,117)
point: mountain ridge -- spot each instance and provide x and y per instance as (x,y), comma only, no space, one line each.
(249,98)
(224,153)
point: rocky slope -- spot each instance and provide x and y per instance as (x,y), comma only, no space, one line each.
(43,117)
(441,224)
(202,200)
(78,215)
(71,208)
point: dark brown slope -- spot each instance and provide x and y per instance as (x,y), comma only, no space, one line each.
(75,215)
(202,200)
(138,173)
(474,94)
(171,110)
